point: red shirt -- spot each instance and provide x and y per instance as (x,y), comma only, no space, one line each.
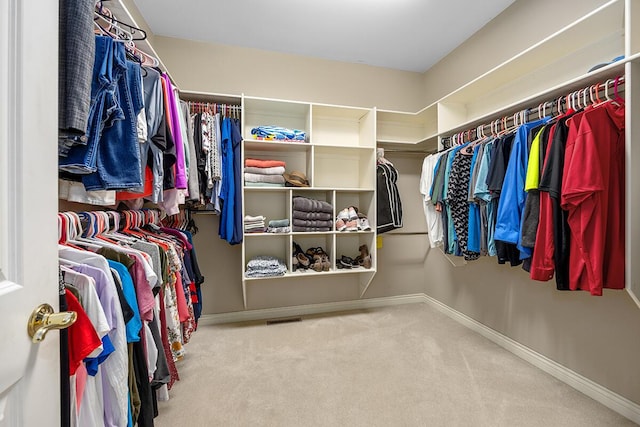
(542,263)
(593,193)
(83,338)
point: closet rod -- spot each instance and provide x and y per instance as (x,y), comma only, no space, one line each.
(561,104)
(412,152)
(406,233)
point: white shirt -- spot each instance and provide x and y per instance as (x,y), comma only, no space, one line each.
(433,218)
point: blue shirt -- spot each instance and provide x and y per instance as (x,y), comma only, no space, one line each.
(513,195)
(134,325)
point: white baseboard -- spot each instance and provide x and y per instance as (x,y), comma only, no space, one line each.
(608,398)
(303,310)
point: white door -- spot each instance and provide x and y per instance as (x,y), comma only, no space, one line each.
(29,373)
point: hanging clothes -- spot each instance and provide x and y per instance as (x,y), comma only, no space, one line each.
(593,194)
(125,284)
(389,204)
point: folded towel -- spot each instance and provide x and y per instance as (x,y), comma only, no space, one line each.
(265,266)
(272,179)
(262,184)
(314,224)
(279,170)
(279,230)
(254,218)
(261,163)
(323,216)
(279,222)
(309,229)
(255,230)
(310,205)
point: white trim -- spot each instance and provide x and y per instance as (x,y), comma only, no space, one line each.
(608,398)
(302,310)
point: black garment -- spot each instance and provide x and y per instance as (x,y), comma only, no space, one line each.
(445,227)
(457,196)
(437,195)
(388,198)
(127,311)
(145,417)
(201,160)
(531,216)
(499,162)
(163,140)
(506,252)
(551,181)
(65,391)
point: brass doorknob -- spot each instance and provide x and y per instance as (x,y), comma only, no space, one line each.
(43,319)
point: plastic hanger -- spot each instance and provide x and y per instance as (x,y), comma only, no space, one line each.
(617,98)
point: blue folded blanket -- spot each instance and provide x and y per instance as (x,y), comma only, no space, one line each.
(278,133)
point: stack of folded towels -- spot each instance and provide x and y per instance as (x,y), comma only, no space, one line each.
(263,173)
(279,226)
(311,215)
(254,224)
(265,266)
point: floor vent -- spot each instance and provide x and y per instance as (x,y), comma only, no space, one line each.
(284,320)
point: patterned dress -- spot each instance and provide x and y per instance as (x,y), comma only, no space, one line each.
(457,196)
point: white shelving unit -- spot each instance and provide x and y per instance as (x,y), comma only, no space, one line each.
(338,158)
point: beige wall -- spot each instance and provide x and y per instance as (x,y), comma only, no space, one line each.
(232,70)
(523,24)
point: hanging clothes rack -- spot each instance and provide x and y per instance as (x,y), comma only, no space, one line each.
(226,110)
(609,90)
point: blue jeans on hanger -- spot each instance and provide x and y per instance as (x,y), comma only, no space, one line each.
(111,158)
(118,160)
(81,160)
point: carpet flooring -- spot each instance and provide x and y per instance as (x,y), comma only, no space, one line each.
(406,365)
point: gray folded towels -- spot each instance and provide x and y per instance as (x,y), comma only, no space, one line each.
(305,204)
(311,223)
(323,216)
(310,229)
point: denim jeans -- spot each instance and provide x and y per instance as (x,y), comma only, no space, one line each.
(111,158)
(82,159)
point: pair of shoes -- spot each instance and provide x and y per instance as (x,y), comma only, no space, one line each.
(319,259)
(348,214)
(347,219)
(299,258)
(364,259)
(344,262)
(363,223)
(365,256)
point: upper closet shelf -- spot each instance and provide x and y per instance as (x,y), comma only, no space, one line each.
(221,98)
(610,71)
(552,62)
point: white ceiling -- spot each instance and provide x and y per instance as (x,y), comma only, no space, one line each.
(409,35)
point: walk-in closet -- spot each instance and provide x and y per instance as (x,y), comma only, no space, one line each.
(329,214)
